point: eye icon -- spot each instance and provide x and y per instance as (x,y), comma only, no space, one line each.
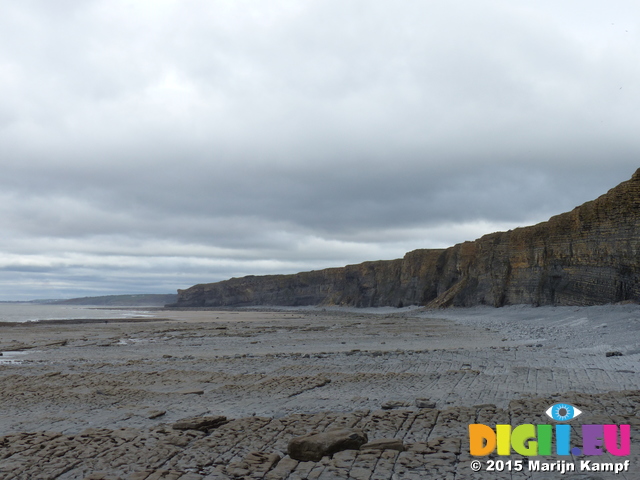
(563,412)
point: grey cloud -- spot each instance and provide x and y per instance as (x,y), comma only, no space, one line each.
(229,139)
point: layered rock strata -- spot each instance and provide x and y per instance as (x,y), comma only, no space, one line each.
(425,445)
(584,257)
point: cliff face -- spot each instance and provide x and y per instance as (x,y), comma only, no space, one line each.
(584,257)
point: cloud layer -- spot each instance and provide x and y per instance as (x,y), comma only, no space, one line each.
(151,145)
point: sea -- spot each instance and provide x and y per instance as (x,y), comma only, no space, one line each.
(33,312)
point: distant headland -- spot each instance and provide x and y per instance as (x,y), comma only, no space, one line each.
(135,300)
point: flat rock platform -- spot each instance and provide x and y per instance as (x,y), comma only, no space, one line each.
(98,400)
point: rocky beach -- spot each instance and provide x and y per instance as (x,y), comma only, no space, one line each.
(319,240)
(219,394)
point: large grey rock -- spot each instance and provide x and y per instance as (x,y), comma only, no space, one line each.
(200,423)
(391,404)
(425,403)
(315,446)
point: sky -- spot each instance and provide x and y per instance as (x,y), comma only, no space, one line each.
(150,145)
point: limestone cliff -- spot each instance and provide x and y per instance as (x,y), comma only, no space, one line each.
(583,257)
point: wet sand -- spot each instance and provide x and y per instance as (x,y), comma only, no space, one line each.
(280,373)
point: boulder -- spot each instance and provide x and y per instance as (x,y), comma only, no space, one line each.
(391,404)
(425,403)
(313,447)
(200,423)
(190,391)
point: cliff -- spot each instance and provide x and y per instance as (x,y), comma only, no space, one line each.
(584,257)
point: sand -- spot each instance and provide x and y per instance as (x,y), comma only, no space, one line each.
(92,387)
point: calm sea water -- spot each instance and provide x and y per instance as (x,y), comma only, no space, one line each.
(27,312)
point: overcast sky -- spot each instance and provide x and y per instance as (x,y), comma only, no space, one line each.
(151,145)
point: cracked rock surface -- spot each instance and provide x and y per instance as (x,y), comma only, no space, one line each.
(100,401)
(435,445)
